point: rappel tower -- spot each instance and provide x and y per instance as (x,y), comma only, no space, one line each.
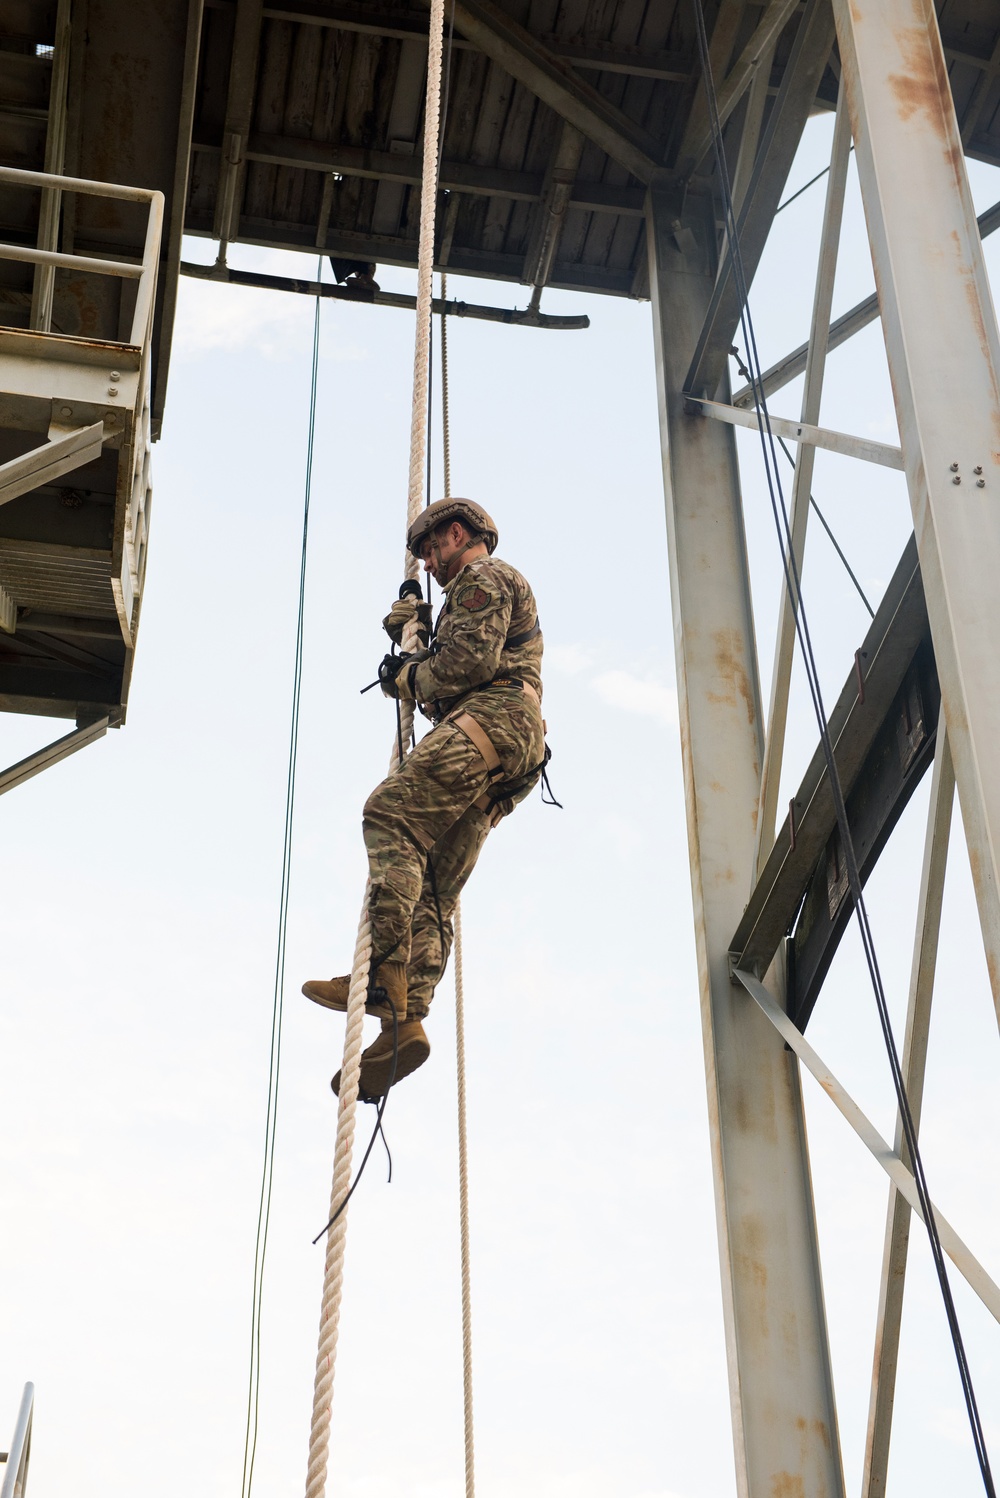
(635,148)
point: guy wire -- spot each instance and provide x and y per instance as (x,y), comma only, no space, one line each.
(274,1071)
(793,583)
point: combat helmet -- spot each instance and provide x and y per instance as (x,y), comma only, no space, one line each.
(466,510)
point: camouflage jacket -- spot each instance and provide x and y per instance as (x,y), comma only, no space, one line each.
(488,609)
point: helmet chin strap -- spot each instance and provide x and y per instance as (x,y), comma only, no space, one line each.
(451,570)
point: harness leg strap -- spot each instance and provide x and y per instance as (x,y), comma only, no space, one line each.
(478,736)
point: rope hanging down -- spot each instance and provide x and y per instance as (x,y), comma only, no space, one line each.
(793,583)
(463,1141)
(333,1277)
(274,1069)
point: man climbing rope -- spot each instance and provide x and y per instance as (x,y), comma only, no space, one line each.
(478,678)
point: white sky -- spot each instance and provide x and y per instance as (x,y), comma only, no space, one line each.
(142,899)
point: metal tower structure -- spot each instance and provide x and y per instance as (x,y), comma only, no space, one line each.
(577,154)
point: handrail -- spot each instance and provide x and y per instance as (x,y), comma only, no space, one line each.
(144,271)
(16,1476)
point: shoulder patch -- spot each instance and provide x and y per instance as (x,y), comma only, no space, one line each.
(474,599)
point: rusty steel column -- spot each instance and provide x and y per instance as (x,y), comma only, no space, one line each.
(944,354)
(781,1388)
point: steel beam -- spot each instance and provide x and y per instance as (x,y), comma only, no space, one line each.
(944,355)
(239,114)
(803,72)
(43,759)
(43,285)
(758,51)
(520,54)
(844,327)
(557,194)
(696,127)
(784,1418)
(804,433)
(918,1019)
(171,249)
(40,465)
(958,1252)
(753,119)
(784,645)
(886,655)
(513,316)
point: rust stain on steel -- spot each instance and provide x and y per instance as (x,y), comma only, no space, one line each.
(79,292)
(731,672)
(923,86)
(749,1265)
(817,1428)
(788,1485)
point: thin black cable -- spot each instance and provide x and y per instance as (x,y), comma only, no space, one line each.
(745,373)
(274,1070)
(377,1129)
(812,181)
(835,543)
(793,583)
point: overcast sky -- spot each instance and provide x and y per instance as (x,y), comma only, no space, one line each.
(142,903)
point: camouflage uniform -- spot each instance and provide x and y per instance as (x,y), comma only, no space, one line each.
(423,827)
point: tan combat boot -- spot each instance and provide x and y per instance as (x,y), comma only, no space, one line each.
(412,1050)
(388,981)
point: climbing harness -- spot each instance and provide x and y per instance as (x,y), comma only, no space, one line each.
(793,583)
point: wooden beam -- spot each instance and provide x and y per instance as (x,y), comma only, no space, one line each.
(595,56)
(456,176)
(394,249)
(515,50)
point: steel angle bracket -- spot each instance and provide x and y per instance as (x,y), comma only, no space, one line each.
(901,1177)
(514,316)
(81,736)
(883,731)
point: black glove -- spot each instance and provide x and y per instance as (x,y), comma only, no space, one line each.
(395,675)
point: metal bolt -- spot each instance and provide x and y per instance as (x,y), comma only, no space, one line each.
(957,479)
(65,410)
(112,391)
(954,467)
(978,468)
(980,483)
(115,375)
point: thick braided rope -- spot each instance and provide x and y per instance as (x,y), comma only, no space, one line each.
(463,1212)
(333,1276)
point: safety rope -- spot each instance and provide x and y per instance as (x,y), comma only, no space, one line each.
(333,1277)
(463,1138)
(463,1212)
(445,410)
(274,1068)
(793,582)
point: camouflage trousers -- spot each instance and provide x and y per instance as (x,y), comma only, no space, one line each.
(424,834)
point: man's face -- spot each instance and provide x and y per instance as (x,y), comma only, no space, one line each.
(440,549)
